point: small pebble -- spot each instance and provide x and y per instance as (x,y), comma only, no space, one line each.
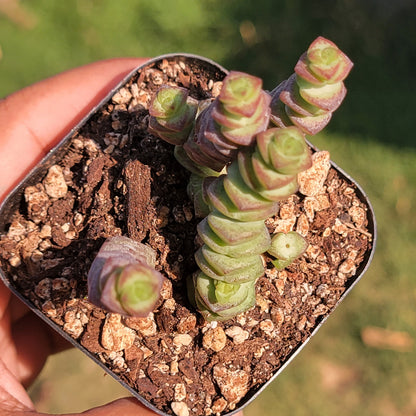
(180,408)
(54,182)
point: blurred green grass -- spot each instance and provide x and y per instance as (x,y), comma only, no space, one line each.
(370,137)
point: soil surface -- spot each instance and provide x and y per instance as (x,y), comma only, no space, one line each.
(113,178)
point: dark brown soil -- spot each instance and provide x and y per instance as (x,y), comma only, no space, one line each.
(113,178)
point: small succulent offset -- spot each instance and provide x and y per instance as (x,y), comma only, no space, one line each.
(286,247)
(244,150)
(172,113)
(122,278)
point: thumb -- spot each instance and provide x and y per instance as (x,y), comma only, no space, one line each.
(125,407)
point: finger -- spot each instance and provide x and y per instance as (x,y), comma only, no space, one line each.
(35,118)
(33,346)
(13,397)
(4,299)
(125,407)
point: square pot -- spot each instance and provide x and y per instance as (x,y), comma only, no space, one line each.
(55,220)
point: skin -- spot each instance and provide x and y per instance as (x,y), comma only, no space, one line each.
(32,121)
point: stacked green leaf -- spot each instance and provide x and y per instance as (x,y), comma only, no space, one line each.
(309,97)
(234,233)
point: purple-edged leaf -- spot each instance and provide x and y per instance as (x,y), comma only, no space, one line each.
(291,97)
(219,200)
(246,170)
(168,101)
(282,193)
(197,155)
(343,70)
(244,135)
(224,118)
(302,70)
(263,142)
(327,61)
(108,298)
(257,245)
(211,131)
(232,231)
(266,175)
(240,93)
(244,198)
(170,136)
(210,151)
(309,125)
(327,97)
(172,114)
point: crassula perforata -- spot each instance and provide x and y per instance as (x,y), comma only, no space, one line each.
(122,278)
(309,97)
(244,149)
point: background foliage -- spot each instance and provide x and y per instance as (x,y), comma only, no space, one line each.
(341,371)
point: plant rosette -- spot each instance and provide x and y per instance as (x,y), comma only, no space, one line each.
(112,177)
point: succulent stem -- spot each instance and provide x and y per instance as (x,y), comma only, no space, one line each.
(234,233)
(309,97)
(230,122)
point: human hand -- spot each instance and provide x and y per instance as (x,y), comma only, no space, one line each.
(32,121)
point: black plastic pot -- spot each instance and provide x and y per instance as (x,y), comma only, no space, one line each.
(14,200)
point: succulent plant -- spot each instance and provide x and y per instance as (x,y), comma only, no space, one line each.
(309,97)
(172,113)
(234,232)
(122,278)
(241,167)
(286,247)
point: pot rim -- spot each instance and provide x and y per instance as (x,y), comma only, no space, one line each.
(10,202)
